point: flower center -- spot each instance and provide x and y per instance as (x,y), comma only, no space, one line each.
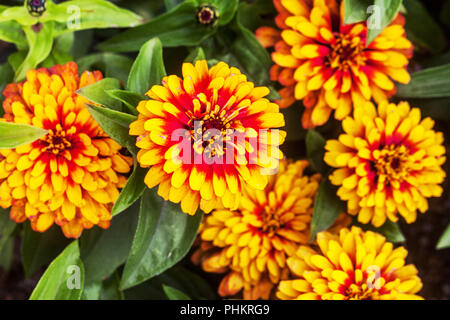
(57,141)
(270,215)
(359,292)
(347,51)
(392,161)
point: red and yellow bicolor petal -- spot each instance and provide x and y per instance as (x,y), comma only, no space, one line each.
(388,162)
(71,175)
(350,265)
(251,244)
(206,135)
(327,65)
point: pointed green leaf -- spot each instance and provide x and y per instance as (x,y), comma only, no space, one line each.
(11,31)
(96,93)
(7,227)
(226,9)
(129,99)
(59,280)
(133,189)
(148,68)
(428,83)
(116,124)
(178,27)
(444,240)
(384,11)
(13,135)
(163,237)
(40,44)
(196,54)
(174,294)
(356,10)
(327,208)
(389,229)
(315,149)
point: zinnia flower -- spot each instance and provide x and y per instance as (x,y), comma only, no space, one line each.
(207,135)
(389,162)
(351,265)
(327,64)
(251,244)
(71,175)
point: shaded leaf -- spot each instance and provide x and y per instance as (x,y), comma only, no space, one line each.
(102,251)
(13,135)
(163,237)
(96,93)
(133,189)
(116,125)
(356,10)
(11,31)
(110,288)
(55,283)
(39,249)
(112,65)
(327,208)
(129,99)
(315,150)
(389,229)
(428,83)
(197,54)
(178,27)
(148,68)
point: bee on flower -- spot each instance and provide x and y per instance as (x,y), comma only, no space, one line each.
(328,65)
(70,176)
(207,135)
(388,162)
(350,265)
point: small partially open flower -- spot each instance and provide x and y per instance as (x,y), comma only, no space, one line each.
(389,161)
(207,15)
(351,265)
(36,7)
(327,64)
(71,175)
(206,136)
(251,244)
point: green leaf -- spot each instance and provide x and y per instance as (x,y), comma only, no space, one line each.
(256,13)
(110,288)
(38,249)
(148,68)
(444,240)
(226,8)
(103,251)
(11,31)
(327,208)
(58,282)
(134,188)
(389,229)
(174,294)
(196,54)
(6,76)
(356,10)
(163,237)
(315,150)
(13,135)
(40,44)
(177,277)
(178,27)
(254,59)
(116,124)
(112,65)
(6,254)
(96,93)
(129,99)
(7,227)
(87,14)
(428,83)
(384,11)
(19,14)
(427,34)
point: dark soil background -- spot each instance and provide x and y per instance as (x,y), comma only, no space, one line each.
(421,236)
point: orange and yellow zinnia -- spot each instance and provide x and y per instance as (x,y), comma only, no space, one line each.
(389,162)
(71,175)
(350,265)
(251,244)
(207,134)
(327,64)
